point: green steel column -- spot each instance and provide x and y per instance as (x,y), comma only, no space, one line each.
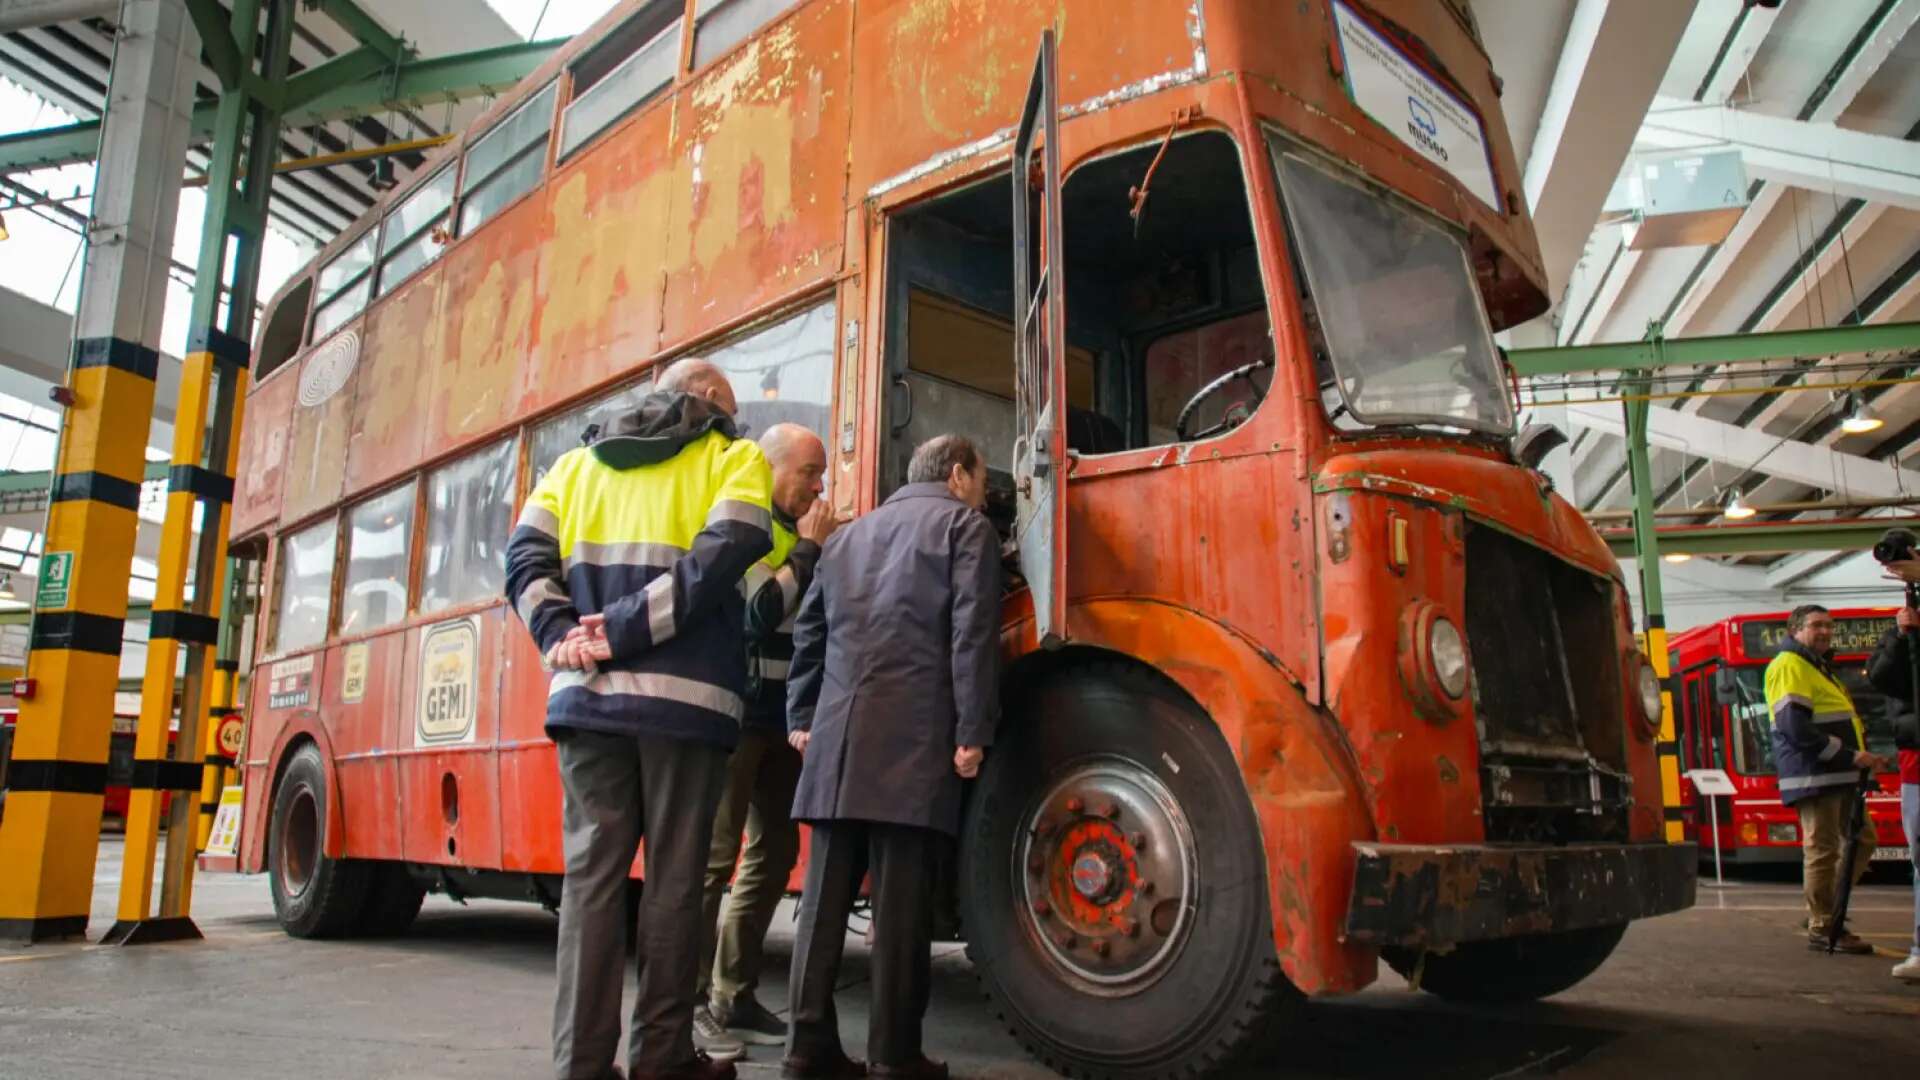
(1646,553)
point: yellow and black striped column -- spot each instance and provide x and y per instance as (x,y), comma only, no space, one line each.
(50,835)
(219,766)
(213,380)
(1666,746)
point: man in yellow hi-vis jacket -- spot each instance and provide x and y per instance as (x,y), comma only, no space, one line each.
(626,566)
(1818,755)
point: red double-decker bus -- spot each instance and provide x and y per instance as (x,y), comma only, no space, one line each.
(1721,722)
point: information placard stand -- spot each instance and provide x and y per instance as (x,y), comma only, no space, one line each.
(1710,783)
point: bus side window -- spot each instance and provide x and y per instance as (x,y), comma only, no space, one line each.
(305,595)
(1687,723)
(282,330)
(469,514)
(379,541)
(782,373)
(556,435)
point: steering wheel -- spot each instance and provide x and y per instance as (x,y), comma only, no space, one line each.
(1234,416)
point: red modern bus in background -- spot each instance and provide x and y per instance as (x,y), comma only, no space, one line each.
(119,761)
(1721,722)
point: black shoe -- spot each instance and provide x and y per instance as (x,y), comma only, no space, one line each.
(837,1066)
(746,1019)
(699,1067)
(921,1068)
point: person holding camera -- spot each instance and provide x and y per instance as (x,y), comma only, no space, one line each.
(1891,670)
(1818,751)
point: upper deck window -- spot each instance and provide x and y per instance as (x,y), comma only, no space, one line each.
(406,240)
(344,285)
(622,72)
(506,162)
(719,25)
(282,329)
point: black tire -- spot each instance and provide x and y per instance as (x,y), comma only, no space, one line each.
(393,900)
(1511,969)
(1177,1002)
(313,896)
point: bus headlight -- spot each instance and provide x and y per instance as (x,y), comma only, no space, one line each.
(1448,654)
(1649,686)
(1434,666)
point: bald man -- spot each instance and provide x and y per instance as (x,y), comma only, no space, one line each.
(764,769)
(625,567)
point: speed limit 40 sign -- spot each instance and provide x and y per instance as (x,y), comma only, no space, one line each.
(229,734)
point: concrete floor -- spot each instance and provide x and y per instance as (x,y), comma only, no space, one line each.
(1725,989)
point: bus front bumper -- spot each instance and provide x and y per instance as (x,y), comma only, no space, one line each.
(1436,895)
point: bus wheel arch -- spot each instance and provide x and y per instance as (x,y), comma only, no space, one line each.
(1295,767)
(315,892)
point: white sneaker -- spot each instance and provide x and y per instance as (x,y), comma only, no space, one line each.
(1908,969)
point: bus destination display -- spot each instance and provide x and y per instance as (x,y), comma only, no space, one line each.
(1762,638)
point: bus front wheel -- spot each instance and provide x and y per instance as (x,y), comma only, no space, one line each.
(314,896)
(1510,969)
(1112,882)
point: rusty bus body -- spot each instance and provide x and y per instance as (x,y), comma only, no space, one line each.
(1234,768)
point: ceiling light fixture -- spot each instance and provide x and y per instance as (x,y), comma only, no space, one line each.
(1859,419)
(1737,508)
(1677,557)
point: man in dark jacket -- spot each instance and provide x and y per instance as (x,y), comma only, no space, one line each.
(758,797)
(626,566)
(1890,669)
(892,700)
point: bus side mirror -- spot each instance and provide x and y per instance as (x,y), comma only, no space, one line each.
(1535,442)
(1724,689)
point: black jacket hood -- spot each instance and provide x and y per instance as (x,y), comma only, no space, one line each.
(659,428)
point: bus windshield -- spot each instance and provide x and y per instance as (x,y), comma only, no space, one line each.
(1753,727)
(1399,319)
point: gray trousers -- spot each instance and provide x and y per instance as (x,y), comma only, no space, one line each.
(619,789)
(758,799)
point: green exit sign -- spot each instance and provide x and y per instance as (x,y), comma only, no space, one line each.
(56,580)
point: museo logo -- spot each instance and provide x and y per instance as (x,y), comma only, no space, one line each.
(1422,128)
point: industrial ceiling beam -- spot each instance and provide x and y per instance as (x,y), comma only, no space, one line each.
(440,78)
(1609,70)
(20,14)
(1661,352)
(1850,534)
(367,30)
(1800,153)
(1848,475)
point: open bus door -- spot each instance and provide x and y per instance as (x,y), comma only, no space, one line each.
(1040,357)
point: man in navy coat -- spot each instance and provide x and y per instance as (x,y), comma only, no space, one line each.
(892,700)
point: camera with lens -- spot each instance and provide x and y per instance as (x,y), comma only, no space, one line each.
(1895,545)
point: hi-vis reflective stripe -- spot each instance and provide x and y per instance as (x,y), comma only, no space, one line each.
(1834,746)
(757,576)
(655,555)
(654,685)
(541,591)
(789,587)
(743,512)
(1833,718)
(772,669)
(539,517)
(1818,780)
(660,608)
(1792,699)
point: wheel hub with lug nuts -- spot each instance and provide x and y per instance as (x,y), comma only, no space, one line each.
(1106,865)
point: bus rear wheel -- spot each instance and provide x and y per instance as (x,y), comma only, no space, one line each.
(314,896)
(1113,886)
(1510,969)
